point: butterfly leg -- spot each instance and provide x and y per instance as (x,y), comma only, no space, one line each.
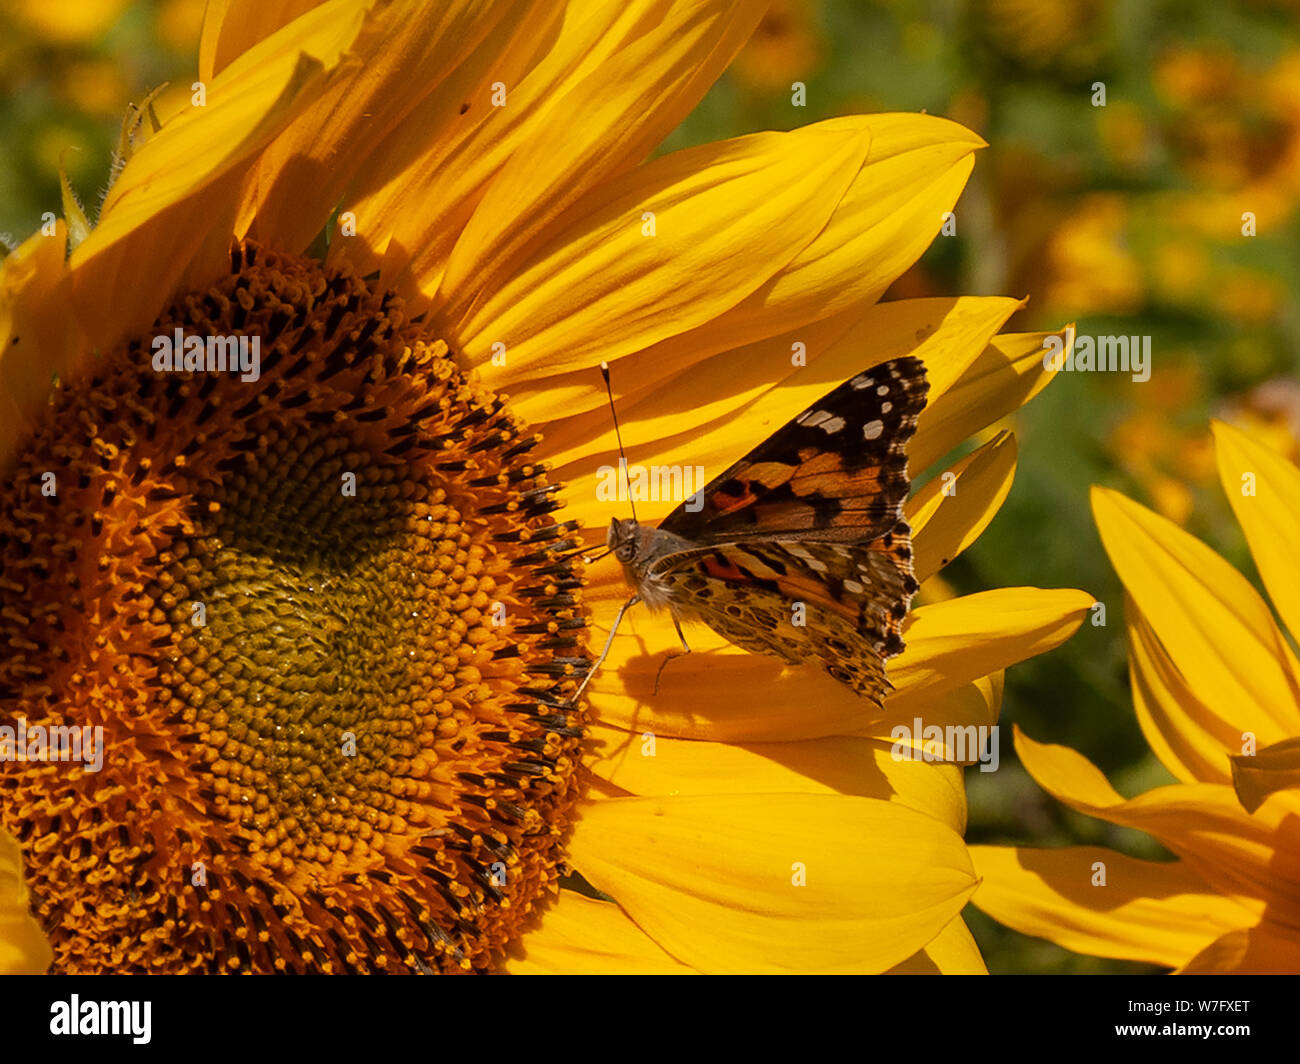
(613,629)
(686,649)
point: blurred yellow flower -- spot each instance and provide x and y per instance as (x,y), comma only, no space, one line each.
(1070,33)
(1090,267)
(93,86)
(785,48)
(1149,444)
(178,22)
(1236,132)
(1181,268)
(1185,74)
(64,23)
(1248,295)
(1126,133)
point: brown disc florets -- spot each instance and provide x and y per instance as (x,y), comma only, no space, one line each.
(320,611)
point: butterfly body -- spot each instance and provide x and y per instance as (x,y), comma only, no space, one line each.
(800,549)
(639,547)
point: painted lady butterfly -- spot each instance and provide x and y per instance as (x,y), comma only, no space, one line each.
(808,527)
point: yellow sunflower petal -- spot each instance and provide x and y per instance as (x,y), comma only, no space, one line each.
(1006,375)
(663,248)
(642,94)
(23,948)
(578,935)
(35,332)
(950,512)
(952,952)
(173,203)
(1093,900)
(1257,776)
(913,173)
(405,94)
(650,765)
(232,27)
(949,723)
(1264,490)
(1218,632)
(1191,737)
(573,411)
(916,169)
(752,392)
(785,883)
(946,334)
(950,643)
(1268,948)
(1239,855)
(515,93)
(245,107)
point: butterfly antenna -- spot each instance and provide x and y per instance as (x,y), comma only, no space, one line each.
(622,454)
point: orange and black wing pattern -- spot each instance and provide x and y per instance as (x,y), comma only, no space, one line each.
(802,548)
(837,472)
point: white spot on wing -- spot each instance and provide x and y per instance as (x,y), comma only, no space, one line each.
(853,587)
(862,381)
(883,390)
(885,408)
(822,419)
(872,429)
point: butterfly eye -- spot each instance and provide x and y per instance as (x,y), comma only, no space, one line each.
(625,551)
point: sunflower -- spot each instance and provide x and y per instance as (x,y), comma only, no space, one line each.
(327,603)
(1216,687)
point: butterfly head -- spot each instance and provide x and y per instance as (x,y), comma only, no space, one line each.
(624,539)
(637,548)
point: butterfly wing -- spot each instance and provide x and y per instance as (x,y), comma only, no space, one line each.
(804,552)
(836,472)
(841,604)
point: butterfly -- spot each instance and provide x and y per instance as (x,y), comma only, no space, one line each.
(800,549)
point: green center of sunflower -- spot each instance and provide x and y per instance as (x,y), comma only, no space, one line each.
(317,605)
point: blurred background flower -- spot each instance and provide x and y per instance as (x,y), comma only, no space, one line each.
(1142,179)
